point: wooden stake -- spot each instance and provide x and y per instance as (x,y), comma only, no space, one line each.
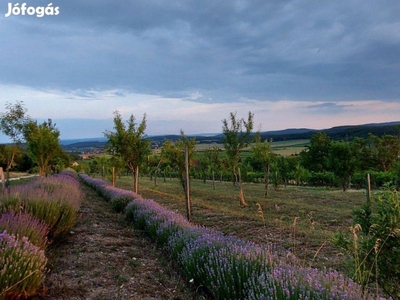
(188,206)
(368,189)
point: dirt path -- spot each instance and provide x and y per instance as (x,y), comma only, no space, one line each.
(105,259)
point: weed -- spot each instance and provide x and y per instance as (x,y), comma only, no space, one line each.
(121,279)
(373,245)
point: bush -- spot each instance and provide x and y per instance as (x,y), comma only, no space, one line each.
(321,179)
(54,200)
(374,244)
(22,267)
(158,222)
(378,179)
(118,198)
(24,224)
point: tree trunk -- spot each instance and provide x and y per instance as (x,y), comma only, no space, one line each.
(136,180)
(3,182)
(187,186)
(113,176)
(241,194)
(213,180)
(368,189)
(266,181)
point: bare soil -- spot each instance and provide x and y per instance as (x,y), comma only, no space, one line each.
(105,258)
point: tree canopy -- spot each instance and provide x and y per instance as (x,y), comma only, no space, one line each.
(236,137)
(12,123)
(43,144)
(129,142)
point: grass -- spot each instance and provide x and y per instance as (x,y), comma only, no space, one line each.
(302,219)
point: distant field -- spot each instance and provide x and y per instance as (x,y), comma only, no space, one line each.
(285,148)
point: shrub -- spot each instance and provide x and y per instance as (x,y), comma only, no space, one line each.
(283,281)
(118,198)
(223,264)
(54,200)
(158,222)
(374,245)
(24,224)
(22,267)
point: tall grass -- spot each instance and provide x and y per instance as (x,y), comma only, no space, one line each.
(373,242)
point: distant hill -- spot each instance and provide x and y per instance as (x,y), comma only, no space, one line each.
(85,140)
(347,132)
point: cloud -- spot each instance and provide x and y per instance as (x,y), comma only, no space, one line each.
(224,50)
(293,63)
(328,108)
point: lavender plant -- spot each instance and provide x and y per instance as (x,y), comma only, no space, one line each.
(158,222)
(119,198)
(22,267)
(24,224)
(54,200)
(284,281)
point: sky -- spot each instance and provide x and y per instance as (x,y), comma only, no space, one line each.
(188,64)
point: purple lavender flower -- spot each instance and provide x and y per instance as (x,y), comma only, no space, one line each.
(24,224)
(22,267)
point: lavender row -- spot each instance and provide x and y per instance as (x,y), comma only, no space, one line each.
(119,198)
(231,268)
(31,215)
(54,200)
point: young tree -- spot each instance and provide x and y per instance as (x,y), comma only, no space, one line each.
(43,144)
(174,153)
(236,137)
(180,154)
(204,167)
(215,162)
(262,154)
(9,155)
(129,143)
(315,158)
(284,168)
(12,124)
(300,173)
(342,162)
(385,150)
(154,162)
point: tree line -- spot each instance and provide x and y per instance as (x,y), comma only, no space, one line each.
(324,162)
(35,146)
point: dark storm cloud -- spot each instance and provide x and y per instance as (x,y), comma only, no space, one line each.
(268,50)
